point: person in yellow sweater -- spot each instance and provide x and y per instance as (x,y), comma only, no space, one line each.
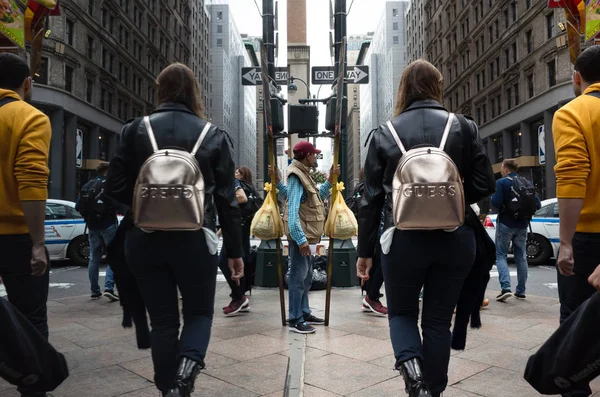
(24,148)
(576,132)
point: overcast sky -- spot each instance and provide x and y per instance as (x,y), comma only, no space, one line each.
(363,17)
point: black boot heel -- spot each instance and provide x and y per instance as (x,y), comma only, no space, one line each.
(413,378)
(185,378)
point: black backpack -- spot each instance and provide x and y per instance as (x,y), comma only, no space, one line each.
(522,202)
(353,201)
(90,204)
(252,205)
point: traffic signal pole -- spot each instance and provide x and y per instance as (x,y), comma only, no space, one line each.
(340,18)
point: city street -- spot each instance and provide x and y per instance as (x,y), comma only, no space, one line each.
(248,355)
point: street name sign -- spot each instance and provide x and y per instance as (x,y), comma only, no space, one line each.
(323,75)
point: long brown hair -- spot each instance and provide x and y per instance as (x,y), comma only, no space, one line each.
(420,80)
(246,174)
(177,83)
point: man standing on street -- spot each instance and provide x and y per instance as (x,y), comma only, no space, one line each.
(516,201)
(576,129)
(304,220)
(24,150)
(101,219)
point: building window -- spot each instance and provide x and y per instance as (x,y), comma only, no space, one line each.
(509,103)
(550,26)
(90,47)
(68,78)
(530,87)
(395,26)
(102,99)
(517,150)
(395,12)
(499,147)
(219,28)
(219,42)
(514,52)
(551,73)
(484,111)
(69,31)
(527,4)
(396,40)
(89,89)
(516,88)
(513,7)
(91,7)
(219,15)
(493,106)
(506,21)
(529,39)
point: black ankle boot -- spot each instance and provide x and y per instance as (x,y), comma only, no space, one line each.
(185,378)
(413,378)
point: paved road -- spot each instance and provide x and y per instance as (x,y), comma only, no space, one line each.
(67,281)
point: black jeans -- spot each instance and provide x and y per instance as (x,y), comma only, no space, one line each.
(375,281)
(161,262)
(575,290)
(440,262)
(237,291)
(29,294)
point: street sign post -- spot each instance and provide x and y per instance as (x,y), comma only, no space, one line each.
(325,75)
(542,144)
(253,76)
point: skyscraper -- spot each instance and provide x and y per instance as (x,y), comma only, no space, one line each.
(231,105)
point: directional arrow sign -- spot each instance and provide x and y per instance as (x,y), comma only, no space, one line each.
(252,76)
(325,74)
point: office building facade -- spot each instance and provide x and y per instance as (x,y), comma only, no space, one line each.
(507,65)
(386,58)
(231,105)
(415,31)
(99,66)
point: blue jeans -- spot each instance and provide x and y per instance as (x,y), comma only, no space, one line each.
(299,284)
(99,240)
(504,235)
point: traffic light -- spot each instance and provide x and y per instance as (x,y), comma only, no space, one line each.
(330,116)
(303,119)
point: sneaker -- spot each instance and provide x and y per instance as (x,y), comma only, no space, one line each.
(96,296)
(110,294)
(236,306)
(504,295)
(310,319)
(375,306)
(520,296)
(302,328)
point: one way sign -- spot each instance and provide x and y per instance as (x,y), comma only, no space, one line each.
(325,74)
(252,76)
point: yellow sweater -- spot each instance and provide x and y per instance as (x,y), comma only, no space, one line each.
(24,148)
(576,132)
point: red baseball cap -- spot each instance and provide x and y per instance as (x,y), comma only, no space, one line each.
(305,147)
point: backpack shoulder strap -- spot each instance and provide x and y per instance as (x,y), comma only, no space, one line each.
(200,138)
(7,100)
(396,137)
(447,130)
(150,133)
(595,94)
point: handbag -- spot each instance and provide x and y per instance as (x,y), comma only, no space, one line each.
(571,356)
(27,359)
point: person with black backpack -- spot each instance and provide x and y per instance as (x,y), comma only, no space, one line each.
(101,219)
(516,201)
(249,202)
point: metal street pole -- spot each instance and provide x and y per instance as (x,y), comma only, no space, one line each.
(340,18)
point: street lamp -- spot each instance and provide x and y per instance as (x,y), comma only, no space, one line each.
(293,88)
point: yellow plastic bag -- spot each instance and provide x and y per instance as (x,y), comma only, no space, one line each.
(341,223)
(267,223)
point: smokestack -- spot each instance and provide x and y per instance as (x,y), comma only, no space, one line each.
(296,22)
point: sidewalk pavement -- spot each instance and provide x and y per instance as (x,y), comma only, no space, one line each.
(248,354)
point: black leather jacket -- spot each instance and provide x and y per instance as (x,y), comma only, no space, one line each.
(174,125)
(422,122)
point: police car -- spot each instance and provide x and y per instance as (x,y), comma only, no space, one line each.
(545,241)
(66,233)
(66,236)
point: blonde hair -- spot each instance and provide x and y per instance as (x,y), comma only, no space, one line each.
(177,83)
(420,80)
